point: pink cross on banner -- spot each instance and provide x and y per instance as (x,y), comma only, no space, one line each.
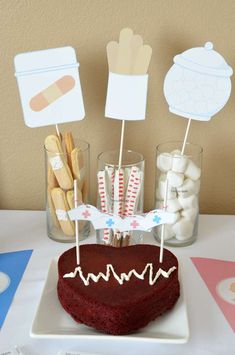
(86,214)
(134,224)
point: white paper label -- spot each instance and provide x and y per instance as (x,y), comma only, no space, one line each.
(75,353)
(56,162)
(61,215)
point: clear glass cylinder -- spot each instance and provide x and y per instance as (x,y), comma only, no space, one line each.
(177,187)
(120,191)
(61,170)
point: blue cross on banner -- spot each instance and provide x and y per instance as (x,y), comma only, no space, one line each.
(157,219)
(110,222)
(12,267)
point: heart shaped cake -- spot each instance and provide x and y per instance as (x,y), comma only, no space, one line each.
(117,290)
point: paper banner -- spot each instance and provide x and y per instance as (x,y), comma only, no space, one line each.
(12,267)
(219,277)
(102,220)
(49,86)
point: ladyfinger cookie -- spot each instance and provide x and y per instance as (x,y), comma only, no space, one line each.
(69,147)
(78,166)
(58,162)
(61,209)
(51,208)
(51,179)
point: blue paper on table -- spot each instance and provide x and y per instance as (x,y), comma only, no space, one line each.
(12,267)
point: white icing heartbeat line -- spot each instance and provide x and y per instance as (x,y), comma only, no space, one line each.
(123,277)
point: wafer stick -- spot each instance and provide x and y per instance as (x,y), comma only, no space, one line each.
(110,173)
(133,190)
(69,147)
(62,207)
(58,162)
(118,202)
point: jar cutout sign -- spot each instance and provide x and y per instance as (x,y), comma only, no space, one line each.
(198,85)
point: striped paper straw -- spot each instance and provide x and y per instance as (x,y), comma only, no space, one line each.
(103,201)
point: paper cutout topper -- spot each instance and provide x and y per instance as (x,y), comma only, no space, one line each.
(128,62)
(219,277)
(198,85)
(102,220)
(49,86)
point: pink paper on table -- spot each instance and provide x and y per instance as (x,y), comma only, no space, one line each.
(219,276)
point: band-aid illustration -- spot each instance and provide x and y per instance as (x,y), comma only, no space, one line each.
(52,93)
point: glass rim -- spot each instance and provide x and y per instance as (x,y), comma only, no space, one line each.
(141,160)
(76,141)
(195,145)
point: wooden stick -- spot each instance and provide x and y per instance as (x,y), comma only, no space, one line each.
(121,145)
(185,137)
(163,225)
(76,222)
(142,60)
(112,51)
(123,64)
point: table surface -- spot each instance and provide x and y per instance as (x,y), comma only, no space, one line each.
(210,332)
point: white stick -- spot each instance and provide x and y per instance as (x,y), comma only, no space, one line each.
(163,226)
(76,222)
(121,145)
(185,137)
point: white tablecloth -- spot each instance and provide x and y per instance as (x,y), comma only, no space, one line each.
(210,333)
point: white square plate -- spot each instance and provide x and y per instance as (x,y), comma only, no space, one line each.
(51,321)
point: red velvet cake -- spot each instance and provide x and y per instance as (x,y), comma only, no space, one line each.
(115,305)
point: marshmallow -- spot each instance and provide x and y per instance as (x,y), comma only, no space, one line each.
(176,217)
(160,193)
(179,163)
(189,202)
(190,213)
(164,162)
(168,232)
(176,151)
(189,187)
(183,229)
(192,171)
(175,179)
(173,205)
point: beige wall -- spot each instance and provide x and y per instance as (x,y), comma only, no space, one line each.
(169,26)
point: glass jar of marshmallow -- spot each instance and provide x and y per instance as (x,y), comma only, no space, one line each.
(178,178)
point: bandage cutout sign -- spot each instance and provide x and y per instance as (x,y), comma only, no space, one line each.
(52,93)
(49,86)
